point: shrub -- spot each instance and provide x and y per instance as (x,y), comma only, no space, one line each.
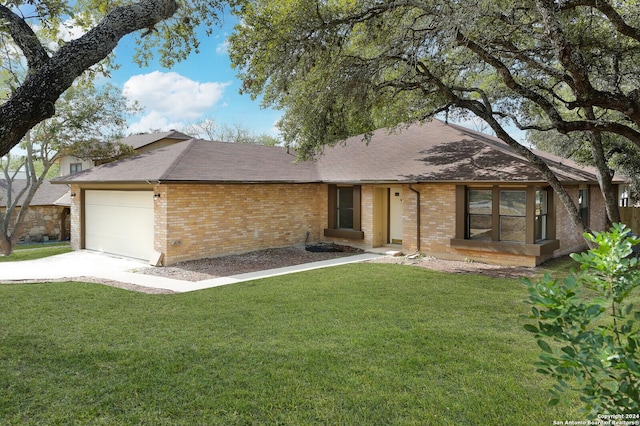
(587,328)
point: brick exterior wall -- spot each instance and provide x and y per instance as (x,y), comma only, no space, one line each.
(42,223)
(198,221)
(207,220)
(438,215)
(571,239)
(76,223)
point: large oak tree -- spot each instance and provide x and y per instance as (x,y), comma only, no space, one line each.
(344,67)
(169,31)
(88,125)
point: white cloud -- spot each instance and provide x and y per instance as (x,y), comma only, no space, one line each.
(170,99)
(153,121)
(221,49)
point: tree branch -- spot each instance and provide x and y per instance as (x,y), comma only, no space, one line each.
(614,17)
(34,100)
(25,39)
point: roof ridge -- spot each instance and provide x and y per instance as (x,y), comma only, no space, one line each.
(189,143)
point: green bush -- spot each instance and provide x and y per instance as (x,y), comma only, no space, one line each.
(587,328)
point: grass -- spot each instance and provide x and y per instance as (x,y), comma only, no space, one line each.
(36,251)
(356,344)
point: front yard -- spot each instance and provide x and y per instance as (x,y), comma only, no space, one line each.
(36,251)
(356,344)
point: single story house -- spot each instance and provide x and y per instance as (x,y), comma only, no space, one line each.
(439,189)
(47,216)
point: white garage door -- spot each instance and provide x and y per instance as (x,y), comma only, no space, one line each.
(119,222)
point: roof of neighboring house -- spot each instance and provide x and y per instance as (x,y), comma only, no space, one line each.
(46,195)
(434,151)
(144,139)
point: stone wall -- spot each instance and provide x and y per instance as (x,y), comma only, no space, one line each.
(43,223)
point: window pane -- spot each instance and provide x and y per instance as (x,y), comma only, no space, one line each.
(583,198)
(345,218)
(541,202)
(480,227)
(479,201)
(541,227)
(541,215)
(345,208)
(583,201)
(512,228)
(345,198)
(75,168)
(513,203)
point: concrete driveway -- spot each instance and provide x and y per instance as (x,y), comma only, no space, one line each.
(83,263)
(68,265)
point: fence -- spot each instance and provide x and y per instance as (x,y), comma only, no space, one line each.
(630,216)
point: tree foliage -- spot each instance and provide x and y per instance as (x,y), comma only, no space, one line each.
(587,328)
(340,68)
(622,156)
(86,124)
(167,28)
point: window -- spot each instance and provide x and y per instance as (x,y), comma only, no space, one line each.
(344,206)
(624,196)
(75,168)
(583,204)
(542,212)
(504,214)
(344,212)
(479,219)
(514,219)
(513,216)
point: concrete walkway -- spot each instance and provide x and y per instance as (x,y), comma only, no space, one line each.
(85,263)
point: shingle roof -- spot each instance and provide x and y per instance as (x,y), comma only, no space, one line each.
(143,139)
(434,151)
(437,151)
(200,160)
(46,195)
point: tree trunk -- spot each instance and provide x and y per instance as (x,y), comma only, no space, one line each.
(34,100)
(603,173)
(6,246)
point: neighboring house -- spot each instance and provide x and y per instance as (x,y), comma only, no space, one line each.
(141,143)
(438,189)
(46,219)
(48,215)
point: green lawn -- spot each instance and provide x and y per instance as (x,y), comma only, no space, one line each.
(358,344)
(36,251)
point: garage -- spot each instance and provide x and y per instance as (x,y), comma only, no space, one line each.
(119,222)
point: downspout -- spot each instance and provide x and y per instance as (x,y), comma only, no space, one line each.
(418,215)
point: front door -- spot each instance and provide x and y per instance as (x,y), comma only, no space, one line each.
(395,215)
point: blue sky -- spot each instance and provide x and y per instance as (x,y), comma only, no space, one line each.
(203,86)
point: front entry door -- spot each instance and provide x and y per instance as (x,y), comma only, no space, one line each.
(395,215)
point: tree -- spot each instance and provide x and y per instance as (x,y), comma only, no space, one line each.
(170,29)
(342,68)
(587,327)
(209,129)
(87,121)
(622,156)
